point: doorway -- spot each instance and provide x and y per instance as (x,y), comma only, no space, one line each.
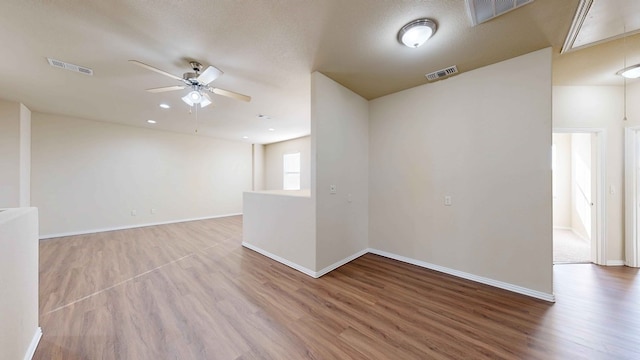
(577,196)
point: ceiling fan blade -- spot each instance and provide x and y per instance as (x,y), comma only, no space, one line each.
(230,94)
(166,88)
(149,67)
(210,74)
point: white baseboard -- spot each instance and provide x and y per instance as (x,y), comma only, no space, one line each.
(562,228)
(340,263)
(93,231)
(302,269)
(479,279)
(281,260)
(615,263)
(468,276)
(34,344)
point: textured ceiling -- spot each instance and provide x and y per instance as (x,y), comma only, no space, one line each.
(267,49)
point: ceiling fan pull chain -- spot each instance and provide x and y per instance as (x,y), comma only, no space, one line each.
(196,106)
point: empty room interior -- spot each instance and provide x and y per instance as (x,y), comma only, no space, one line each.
(330,179)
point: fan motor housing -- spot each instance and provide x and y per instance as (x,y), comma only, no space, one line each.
(190,76)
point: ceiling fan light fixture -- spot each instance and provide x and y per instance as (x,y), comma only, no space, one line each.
(195,96)
(187,100)
(206,100)
(630,72)
(416,32)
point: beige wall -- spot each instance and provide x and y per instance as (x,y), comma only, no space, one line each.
(19,331)
(274,163)
(562,181)
(483,138)
(602,107)
(339,147)
(15,156)
(88,175)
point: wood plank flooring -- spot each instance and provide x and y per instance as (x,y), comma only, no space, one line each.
(190,291)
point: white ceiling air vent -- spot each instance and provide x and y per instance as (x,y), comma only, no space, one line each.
(71,67)
(484,10)
(442,73)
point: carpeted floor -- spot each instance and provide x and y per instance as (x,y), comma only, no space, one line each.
(570,248)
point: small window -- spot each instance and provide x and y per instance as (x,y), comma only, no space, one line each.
(291,173)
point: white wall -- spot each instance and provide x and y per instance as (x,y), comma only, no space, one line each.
(562,181)
(484,138)
(258,167)
(281,225)
(274,163)
(25,156)
(19,331)
(88,176)
(15,157)
(602,107)
(339,147)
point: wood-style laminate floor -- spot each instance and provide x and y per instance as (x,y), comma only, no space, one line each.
(190,291)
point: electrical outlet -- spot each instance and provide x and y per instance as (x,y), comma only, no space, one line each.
(153,211)
(332,189)
(447,200)
(134,213)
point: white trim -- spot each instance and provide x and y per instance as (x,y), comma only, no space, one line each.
(576,25)
(468,276)
(631,197)
(280,259)
(302,269)
(34,344)
(615,263)
(340,263)
(479,279)
(601,223)
(93,231)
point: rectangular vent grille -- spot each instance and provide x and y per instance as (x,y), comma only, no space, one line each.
(71,67)
(485,10)
(442,73)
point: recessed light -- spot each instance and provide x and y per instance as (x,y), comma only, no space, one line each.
(165,106)
(151,121)
(245,137)
(272,129)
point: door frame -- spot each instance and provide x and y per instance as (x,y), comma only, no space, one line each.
(598,236)
(632,244)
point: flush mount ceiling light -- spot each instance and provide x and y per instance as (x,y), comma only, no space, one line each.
(631,72)
(416,32)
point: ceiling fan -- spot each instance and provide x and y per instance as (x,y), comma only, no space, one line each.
(197,81)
